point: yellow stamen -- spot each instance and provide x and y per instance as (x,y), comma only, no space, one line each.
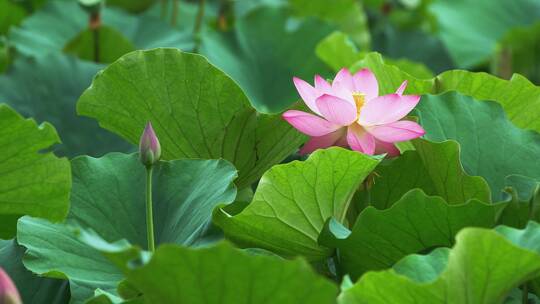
(359,100)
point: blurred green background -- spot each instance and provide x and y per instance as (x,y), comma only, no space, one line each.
(51,49)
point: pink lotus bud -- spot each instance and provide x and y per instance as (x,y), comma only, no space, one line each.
(8,291)
(149,147)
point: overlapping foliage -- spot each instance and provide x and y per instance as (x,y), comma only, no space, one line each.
(239,216)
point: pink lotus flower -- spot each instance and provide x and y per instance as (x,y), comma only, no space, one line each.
(351,113)
(8,291)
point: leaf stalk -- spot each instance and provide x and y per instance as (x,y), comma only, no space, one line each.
(149,213)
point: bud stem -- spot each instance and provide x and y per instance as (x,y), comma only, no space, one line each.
(149,216)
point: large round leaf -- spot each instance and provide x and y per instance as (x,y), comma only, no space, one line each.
(197,111)
(417,222)
(223,274)
(108,197)
(57,81)
(264,52)
(31,181)
(491,146)
(483,267)
(294,200)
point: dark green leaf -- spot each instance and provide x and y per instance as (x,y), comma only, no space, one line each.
(264,52)
(57,81)
(111,45)
(491,146)
(33,289)
(108,197)
(50,29)
(470,29)
(31,181)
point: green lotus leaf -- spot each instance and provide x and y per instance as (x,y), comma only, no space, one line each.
(423,268)
(108,198)
(33,289)
(525,201)
(197,111)
(415,223)
(453,114)
(337,50)
(518,52)
(32,182)
(404,42)
(491,146)
(223,274)
(264,52)
(58,81)
(60,23)
(111,45)
(470,29)
(132,6)
(519,97)
(433,167)
(347,15)
(481,268)
(293,201)
(10,14)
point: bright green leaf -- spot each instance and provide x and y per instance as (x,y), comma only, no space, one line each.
(31,181)
(433,167)
(519,97)
(223,274)
(197,111)
(423,268)
(337,50)
(482,267)
(417,222)
(10,14)
(293,201)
